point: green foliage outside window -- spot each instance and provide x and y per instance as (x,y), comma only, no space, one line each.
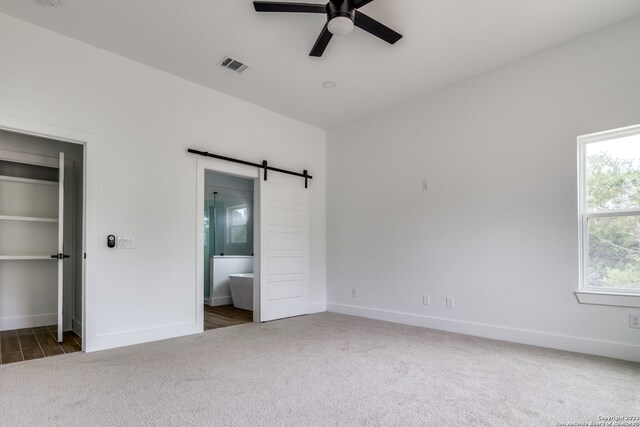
(614,242)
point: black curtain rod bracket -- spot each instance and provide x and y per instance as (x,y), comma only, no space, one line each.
(264,165)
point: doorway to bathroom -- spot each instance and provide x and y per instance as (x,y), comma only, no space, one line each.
(279,219)
(228,262)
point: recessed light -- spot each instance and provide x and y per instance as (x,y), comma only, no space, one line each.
(329,84)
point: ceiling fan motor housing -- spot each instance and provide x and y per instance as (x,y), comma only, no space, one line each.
(344,8)
(341,16)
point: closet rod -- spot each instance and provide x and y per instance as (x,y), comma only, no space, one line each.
(263,165)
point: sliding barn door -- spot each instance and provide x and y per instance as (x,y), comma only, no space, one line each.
(284,247)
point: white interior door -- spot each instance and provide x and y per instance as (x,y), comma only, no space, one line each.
(60,254)
(284,247)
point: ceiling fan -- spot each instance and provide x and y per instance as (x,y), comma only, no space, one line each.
(342,16)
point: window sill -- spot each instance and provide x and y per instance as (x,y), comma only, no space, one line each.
(608,298)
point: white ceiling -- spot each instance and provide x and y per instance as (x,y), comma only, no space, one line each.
(444,41)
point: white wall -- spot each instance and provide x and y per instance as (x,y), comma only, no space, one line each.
(499,229)
(143,121)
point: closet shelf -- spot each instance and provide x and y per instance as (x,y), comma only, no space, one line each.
(26,218)
(24,257)
(27,180)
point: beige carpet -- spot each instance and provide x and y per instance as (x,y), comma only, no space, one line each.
(323,369)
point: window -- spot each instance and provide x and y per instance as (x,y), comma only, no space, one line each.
(609,204)
(237,217)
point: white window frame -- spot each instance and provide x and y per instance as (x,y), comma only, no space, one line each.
(586,294)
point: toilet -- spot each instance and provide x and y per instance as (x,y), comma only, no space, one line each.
(242,290)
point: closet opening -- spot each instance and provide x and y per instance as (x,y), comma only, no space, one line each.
(41,247)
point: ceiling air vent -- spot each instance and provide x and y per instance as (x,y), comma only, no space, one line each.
(233,65)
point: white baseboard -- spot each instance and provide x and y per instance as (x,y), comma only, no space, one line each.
(140,336)
(317,307)
(220,301)
(613,349)
(9,323)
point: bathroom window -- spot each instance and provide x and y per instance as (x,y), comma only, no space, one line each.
(237,218)
(609,195)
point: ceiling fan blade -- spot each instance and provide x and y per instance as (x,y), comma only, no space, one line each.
(372,26)
(359,3)
(322,42)
(276,6)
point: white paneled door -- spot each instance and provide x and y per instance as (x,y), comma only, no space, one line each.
(284,247)
(60,255)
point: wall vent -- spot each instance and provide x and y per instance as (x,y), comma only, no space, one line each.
(233,64)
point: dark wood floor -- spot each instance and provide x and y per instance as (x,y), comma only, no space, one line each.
(34,343)
(225,315)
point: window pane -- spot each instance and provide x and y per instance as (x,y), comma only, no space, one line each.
(239,234)
(238,216)
(612,174)
(614,252)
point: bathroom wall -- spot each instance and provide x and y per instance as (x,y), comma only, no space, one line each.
(219,233)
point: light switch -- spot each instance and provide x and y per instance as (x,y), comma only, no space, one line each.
(126,242)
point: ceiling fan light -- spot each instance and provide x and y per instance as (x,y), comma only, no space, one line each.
(340,26)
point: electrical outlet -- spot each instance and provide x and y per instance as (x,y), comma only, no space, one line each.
(426,300)
(634,320)
(354,292)
(449,302)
